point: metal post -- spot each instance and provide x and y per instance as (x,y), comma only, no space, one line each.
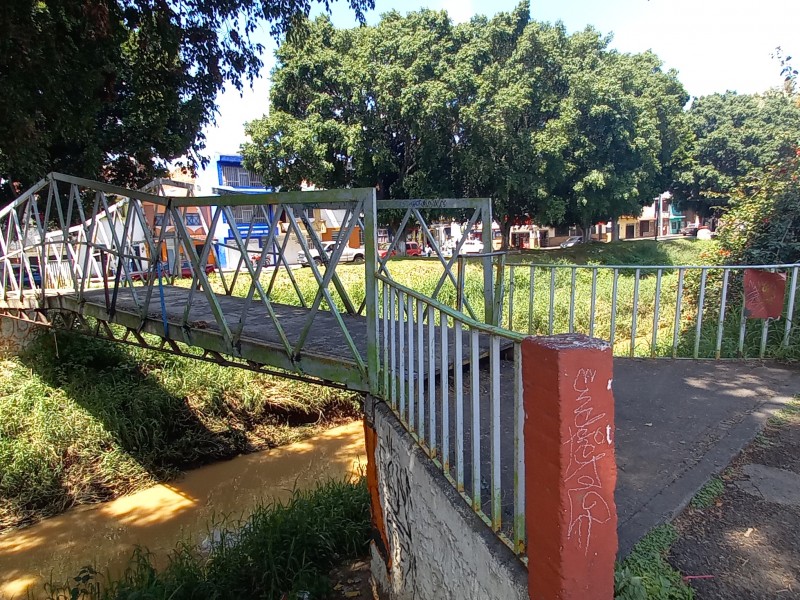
(371,288)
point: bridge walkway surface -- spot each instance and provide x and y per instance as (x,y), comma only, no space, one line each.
(678,422)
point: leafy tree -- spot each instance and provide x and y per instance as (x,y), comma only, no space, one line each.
(511,151)
(371,106)
(762,223)
(117,88)
(507,107)
(622,119)
(735,138)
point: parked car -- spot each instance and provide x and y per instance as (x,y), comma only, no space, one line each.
(351,255)
(572,241)
(26,280)
(690,230)
(472,246)
(413,249)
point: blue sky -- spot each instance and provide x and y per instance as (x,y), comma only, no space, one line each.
(716,45)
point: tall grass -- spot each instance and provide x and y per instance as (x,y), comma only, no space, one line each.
(83,420)
(631,321)
(281,551)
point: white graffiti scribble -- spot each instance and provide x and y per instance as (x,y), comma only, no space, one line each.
(589,435)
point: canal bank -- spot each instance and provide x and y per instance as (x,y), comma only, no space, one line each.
(159,517)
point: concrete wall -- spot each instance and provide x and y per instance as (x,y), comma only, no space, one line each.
(16,335)
(428,543)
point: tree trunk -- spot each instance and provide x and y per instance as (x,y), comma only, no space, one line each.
(505,229)
(614,229)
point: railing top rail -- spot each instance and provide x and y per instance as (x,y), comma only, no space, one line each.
(309,199)
(647,267)
(453,313)
(422,203)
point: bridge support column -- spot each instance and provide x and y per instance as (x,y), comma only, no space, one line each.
(16,335)
(570,468)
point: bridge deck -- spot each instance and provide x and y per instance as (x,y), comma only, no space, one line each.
(325,353)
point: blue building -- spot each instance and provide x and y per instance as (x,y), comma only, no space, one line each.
(233,178)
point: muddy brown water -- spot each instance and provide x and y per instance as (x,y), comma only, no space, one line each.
(104,535)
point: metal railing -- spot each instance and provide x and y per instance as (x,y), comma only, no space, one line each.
(652,311)
(469,423)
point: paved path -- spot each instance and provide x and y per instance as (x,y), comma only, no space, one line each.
(680,422)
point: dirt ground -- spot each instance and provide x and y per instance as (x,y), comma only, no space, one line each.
(351,580)
(746,545)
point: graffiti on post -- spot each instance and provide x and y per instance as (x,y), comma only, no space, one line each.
(589,439)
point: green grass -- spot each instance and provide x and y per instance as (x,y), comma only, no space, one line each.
(98,420)
(685,251)
(708,494)
(572,308)
(282,551)
(646,575)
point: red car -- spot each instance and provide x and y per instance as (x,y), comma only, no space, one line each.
(412,249)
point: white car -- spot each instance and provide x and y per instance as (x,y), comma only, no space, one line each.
(472,246)
(572,241)
(351,255)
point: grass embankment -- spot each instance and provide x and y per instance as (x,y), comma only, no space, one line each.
(282,551)
(681,251)
(571,307)
(86,421)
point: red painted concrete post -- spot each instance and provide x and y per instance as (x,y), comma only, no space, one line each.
(570,468)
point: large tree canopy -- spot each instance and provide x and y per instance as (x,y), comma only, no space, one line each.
(545,123)
(115,89)
(735,137)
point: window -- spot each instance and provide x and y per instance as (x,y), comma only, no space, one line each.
(245,215)
(192,220)
(239,177)
(644,227)
(159,220)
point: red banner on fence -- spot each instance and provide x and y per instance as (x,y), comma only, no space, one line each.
(763,294)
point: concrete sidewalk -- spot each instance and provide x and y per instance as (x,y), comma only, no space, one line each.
(681,421)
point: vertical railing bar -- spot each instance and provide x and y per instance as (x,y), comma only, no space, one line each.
(511,287)
(635,312)
(790,309)
(722,307)
(742,323)
(700,308)
(613,325)
(458,385)
(474,371)
(552,300)
(445,392)
(593,307)
(411,364)
(385,331)
(572,301)
(432,380)
(678,301)
(393,344)
(519,454)
(421,370)
(530,302)
(497,506)
(656,314)
(402,378)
